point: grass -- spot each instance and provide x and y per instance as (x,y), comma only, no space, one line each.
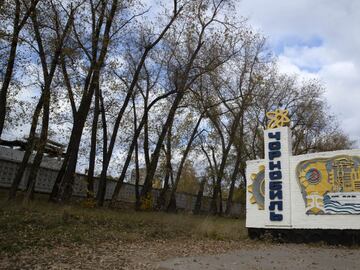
(40,224)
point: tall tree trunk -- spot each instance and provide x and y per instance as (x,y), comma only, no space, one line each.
(129,94)
(48,75)
(56,187)
(215,209)
(172,203)
(126,163)
(197,208)
(137,177)
(161,201)
(145,192)
(232,185)
(28,151)
(92,157)
(162,196)
(146,137)
(215,203)
(239,146)
(41,145)
(68,85)
(65,178)
(85,99)
(137,169)
(243,174)
(132,147)
(220,201)
(104,126)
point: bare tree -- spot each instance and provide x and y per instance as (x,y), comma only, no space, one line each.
(147,48)
(48,70)
(22,12)
(102,17)
(185,72)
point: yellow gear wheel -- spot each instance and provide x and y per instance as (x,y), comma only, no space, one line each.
(257,188)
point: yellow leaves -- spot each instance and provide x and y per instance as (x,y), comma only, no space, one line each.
(88,203)
(146,202)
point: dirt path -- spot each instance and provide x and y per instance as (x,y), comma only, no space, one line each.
(271,256)
(185,254)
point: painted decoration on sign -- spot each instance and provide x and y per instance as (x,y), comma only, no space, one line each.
(330,185)
(278,118)
(257,188)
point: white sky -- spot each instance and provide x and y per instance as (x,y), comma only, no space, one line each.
(316,38)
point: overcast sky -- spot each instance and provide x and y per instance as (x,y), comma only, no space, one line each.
(316,38)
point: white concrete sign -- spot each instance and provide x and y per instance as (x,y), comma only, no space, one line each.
(320,190)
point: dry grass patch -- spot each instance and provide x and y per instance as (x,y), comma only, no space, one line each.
(40,224)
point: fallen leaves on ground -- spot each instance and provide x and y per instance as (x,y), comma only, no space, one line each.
(115,254)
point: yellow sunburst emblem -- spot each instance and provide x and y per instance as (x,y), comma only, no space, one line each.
(257,188)
(278,118)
